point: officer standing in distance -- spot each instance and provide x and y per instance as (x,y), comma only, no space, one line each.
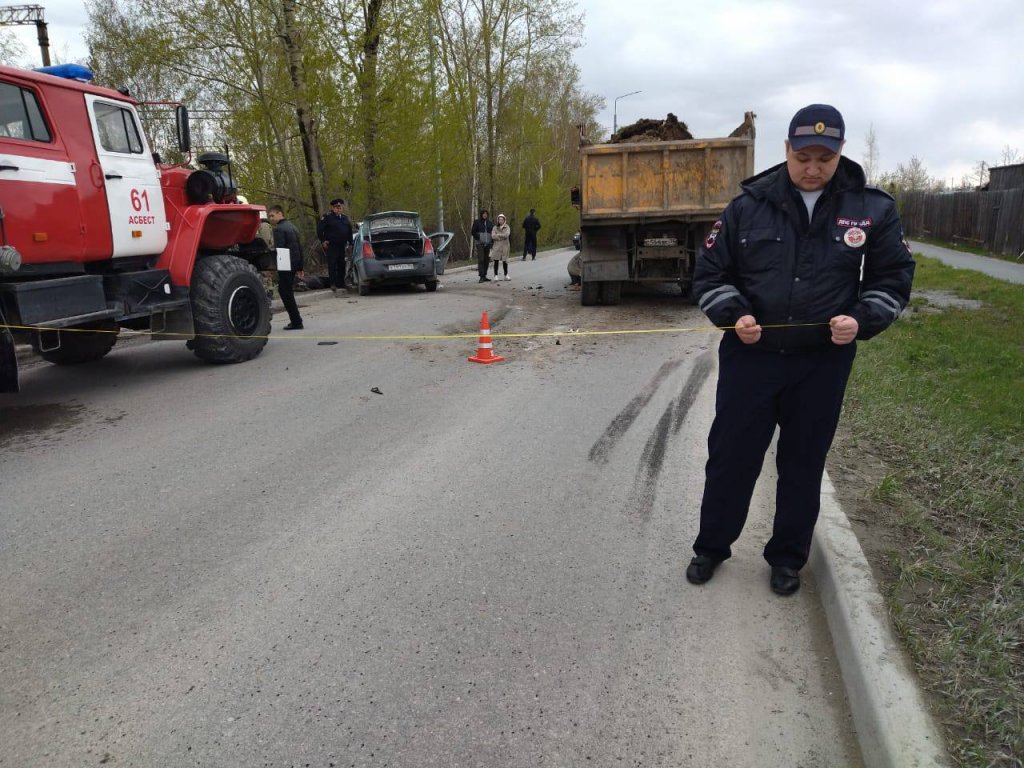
(334,231)
(808,246)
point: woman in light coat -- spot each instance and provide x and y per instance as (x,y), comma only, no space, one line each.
(500,249)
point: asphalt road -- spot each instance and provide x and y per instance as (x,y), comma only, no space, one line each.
(1012,272)
(270,564)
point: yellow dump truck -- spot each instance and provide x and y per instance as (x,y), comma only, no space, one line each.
(646,208)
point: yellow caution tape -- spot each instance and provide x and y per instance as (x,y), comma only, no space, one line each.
(404,337)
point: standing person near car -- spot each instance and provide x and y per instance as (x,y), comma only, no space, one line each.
(501,235)
(482,228)
(530,226)
(804,262)
(287,236)
(334,231)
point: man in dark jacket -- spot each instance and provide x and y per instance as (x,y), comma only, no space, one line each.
(482,229)
(287,236)
(803,263)
(334,230)
(530,226)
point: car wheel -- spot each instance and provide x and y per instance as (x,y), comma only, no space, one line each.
(431,285)
(364,288)
(230,310)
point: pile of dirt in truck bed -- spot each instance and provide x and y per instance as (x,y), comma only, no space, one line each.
(645,129)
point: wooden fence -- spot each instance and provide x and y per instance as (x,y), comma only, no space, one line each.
(990,220)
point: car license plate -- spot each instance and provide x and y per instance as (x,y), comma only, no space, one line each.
(655,242)
(400,267)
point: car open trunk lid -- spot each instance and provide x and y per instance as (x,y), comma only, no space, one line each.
(395,235)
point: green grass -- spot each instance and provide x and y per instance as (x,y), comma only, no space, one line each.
(940,396)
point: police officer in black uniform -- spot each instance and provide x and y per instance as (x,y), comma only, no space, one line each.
(803,263)
(335,233)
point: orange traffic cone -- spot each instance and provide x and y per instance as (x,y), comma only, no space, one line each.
(484,353)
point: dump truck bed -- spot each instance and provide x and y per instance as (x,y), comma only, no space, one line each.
(692,179)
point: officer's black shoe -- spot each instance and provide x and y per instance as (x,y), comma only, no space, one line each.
(293,327)
(701,569)
(785,581)
(485,279)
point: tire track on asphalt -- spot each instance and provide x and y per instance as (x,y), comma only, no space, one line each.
(624,420)
(652,460)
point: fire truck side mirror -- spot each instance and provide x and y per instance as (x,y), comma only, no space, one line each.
(184,132)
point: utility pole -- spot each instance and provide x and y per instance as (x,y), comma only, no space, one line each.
(433,126)
(615,108)
(18,15)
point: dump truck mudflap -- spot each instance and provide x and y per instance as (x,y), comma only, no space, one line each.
(8,360)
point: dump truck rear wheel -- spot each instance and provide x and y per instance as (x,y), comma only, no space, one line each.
(589,293)
(611,292)
(230,310)
(76,346)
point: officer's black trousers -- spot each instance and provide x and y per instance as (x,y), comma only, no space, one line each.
(336,267)
(801,393)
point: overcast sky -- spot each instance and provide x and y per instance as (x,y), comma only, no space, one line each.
(939,79)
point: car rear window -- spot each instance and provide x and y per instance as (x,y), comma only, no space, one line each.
(393,222)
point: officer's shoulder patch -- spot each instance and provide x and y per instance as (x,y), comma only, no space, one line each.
(878,191)
(713,234)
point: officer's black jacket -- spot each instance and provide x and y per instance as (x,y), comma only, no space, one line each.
(336,229)
(287,236)
(763,258)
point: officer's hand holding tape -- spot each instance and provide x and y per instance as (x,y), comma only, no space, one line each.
(748,330)
(844,329)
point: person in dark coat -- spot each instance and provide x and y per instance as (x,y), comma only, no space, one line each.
(481,232)
(804,263)
(530,226)
(287,236)
(334,230)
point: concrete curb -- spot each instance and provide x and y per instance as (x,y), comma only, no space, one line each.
(894,727)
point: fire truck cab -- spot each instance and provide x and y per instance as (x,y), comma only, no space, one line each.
(97,235)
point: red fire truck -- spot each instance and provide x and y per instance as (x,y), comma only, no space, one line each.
(96,234)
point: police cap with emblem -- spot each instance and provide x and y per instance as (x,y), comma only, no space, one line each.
(817,125)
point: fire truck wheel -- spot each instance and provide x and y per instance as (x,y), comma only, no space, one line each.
(75,346)
(230,310)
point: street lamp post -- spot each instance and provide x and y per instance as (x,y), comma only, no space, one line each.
(615,110)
